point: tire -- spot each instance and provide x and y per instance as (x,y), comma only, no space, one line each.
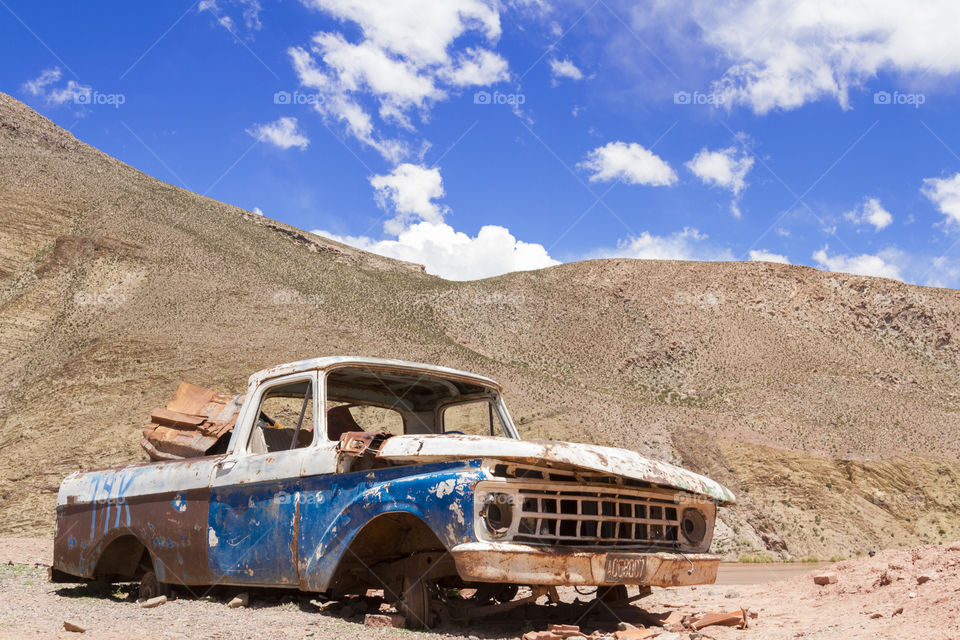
(414,603)
(151,587)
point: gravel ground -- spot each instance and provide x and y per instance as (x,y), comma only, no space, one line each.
(910,593)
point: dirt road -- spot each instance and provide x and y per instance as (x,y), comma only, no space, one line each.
(897,594)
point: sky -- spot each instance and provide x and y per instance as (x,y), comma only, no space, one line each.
(479,137)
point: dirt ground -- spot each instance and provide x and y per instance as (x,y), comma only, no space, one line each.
(909,593)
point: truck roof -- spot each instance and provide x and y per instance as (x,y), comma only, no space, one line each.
(328,362)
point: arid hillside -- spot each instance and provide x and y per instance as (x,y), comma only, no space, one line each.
(829,403)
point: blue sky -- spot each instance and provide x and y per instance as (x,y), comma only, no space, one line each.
(482,137)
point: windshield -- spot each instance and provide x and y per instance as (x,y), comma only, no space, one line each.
(383,400)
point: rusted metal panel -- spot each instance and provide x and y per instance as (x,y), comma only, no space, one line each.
(527,564)
(191,424)
(617,462)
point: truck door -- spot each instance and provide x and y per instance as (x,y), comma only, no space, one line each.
(254,500)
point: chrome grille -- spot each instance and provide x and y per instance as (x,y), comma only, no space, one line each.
(591,516)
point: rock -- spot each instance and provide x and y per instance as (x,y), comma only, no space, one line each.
(75,628)
(636,634)
(874,616)
(732,594)
(897,612)
(625,626)
(154,602)
(925,577)
(241,600)
(954,546)
(564,630)
(912,594)
(385,620)
(541,635)
(827,577)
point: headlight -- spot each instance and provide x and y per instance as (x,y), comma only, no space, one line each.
(497,513)
(693,525)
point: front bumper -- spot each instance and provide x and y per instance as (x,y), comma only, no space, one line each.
(527,564)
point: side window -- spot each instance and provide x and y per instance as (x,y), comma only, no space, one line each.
(285,418)
(476,418)
(344,417)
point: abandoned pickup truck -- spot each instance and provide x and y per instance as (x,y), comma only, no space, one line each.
(339,474)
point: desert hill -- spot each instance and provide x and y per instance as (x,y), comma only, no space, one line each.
(829,403)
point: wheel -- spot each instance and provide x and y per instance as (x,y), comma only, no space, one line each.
(414,603)
(612,595)
(151,587)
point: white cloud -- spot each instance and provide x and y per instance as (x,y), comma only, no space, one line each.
(258,211)
(564,69)
(401,61)
(785,53)
(409,192)
(454,255)
(249,12)
(945,193)
(283,133)
(870,212)
(762,255)
(476,67)
(43,87)
(880,265)
(688,244)
(630,163)
(724,168)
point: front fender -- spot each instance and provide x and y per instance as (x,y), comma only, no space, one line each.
(334,508)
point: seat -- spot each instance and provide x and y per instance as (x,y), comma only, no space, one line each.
(340,421)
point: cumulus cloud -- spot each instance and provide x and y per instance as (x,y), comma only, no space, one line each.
(43,86)
(409,192)
(283,133)
(870,212)
(688,244)
(564,69)
(785,53)
(945,193)
(455,255)
(724,168)
(881,265)
(401,62)
(762,255)
(630,163)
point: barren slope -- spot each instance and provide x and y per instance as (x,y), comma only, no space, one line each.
(828,402)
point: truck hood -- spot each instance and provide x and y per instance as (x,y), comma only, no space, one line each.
(618,462)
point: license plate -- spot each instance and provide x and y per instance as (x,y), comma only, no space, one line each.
(622,567)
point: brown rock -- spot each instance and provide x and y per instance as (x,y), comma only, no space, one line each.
(925,577)
(75,628)
(384,620)
(154,602)
(635,634)
(542,635)
(827,577)
(564,630)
